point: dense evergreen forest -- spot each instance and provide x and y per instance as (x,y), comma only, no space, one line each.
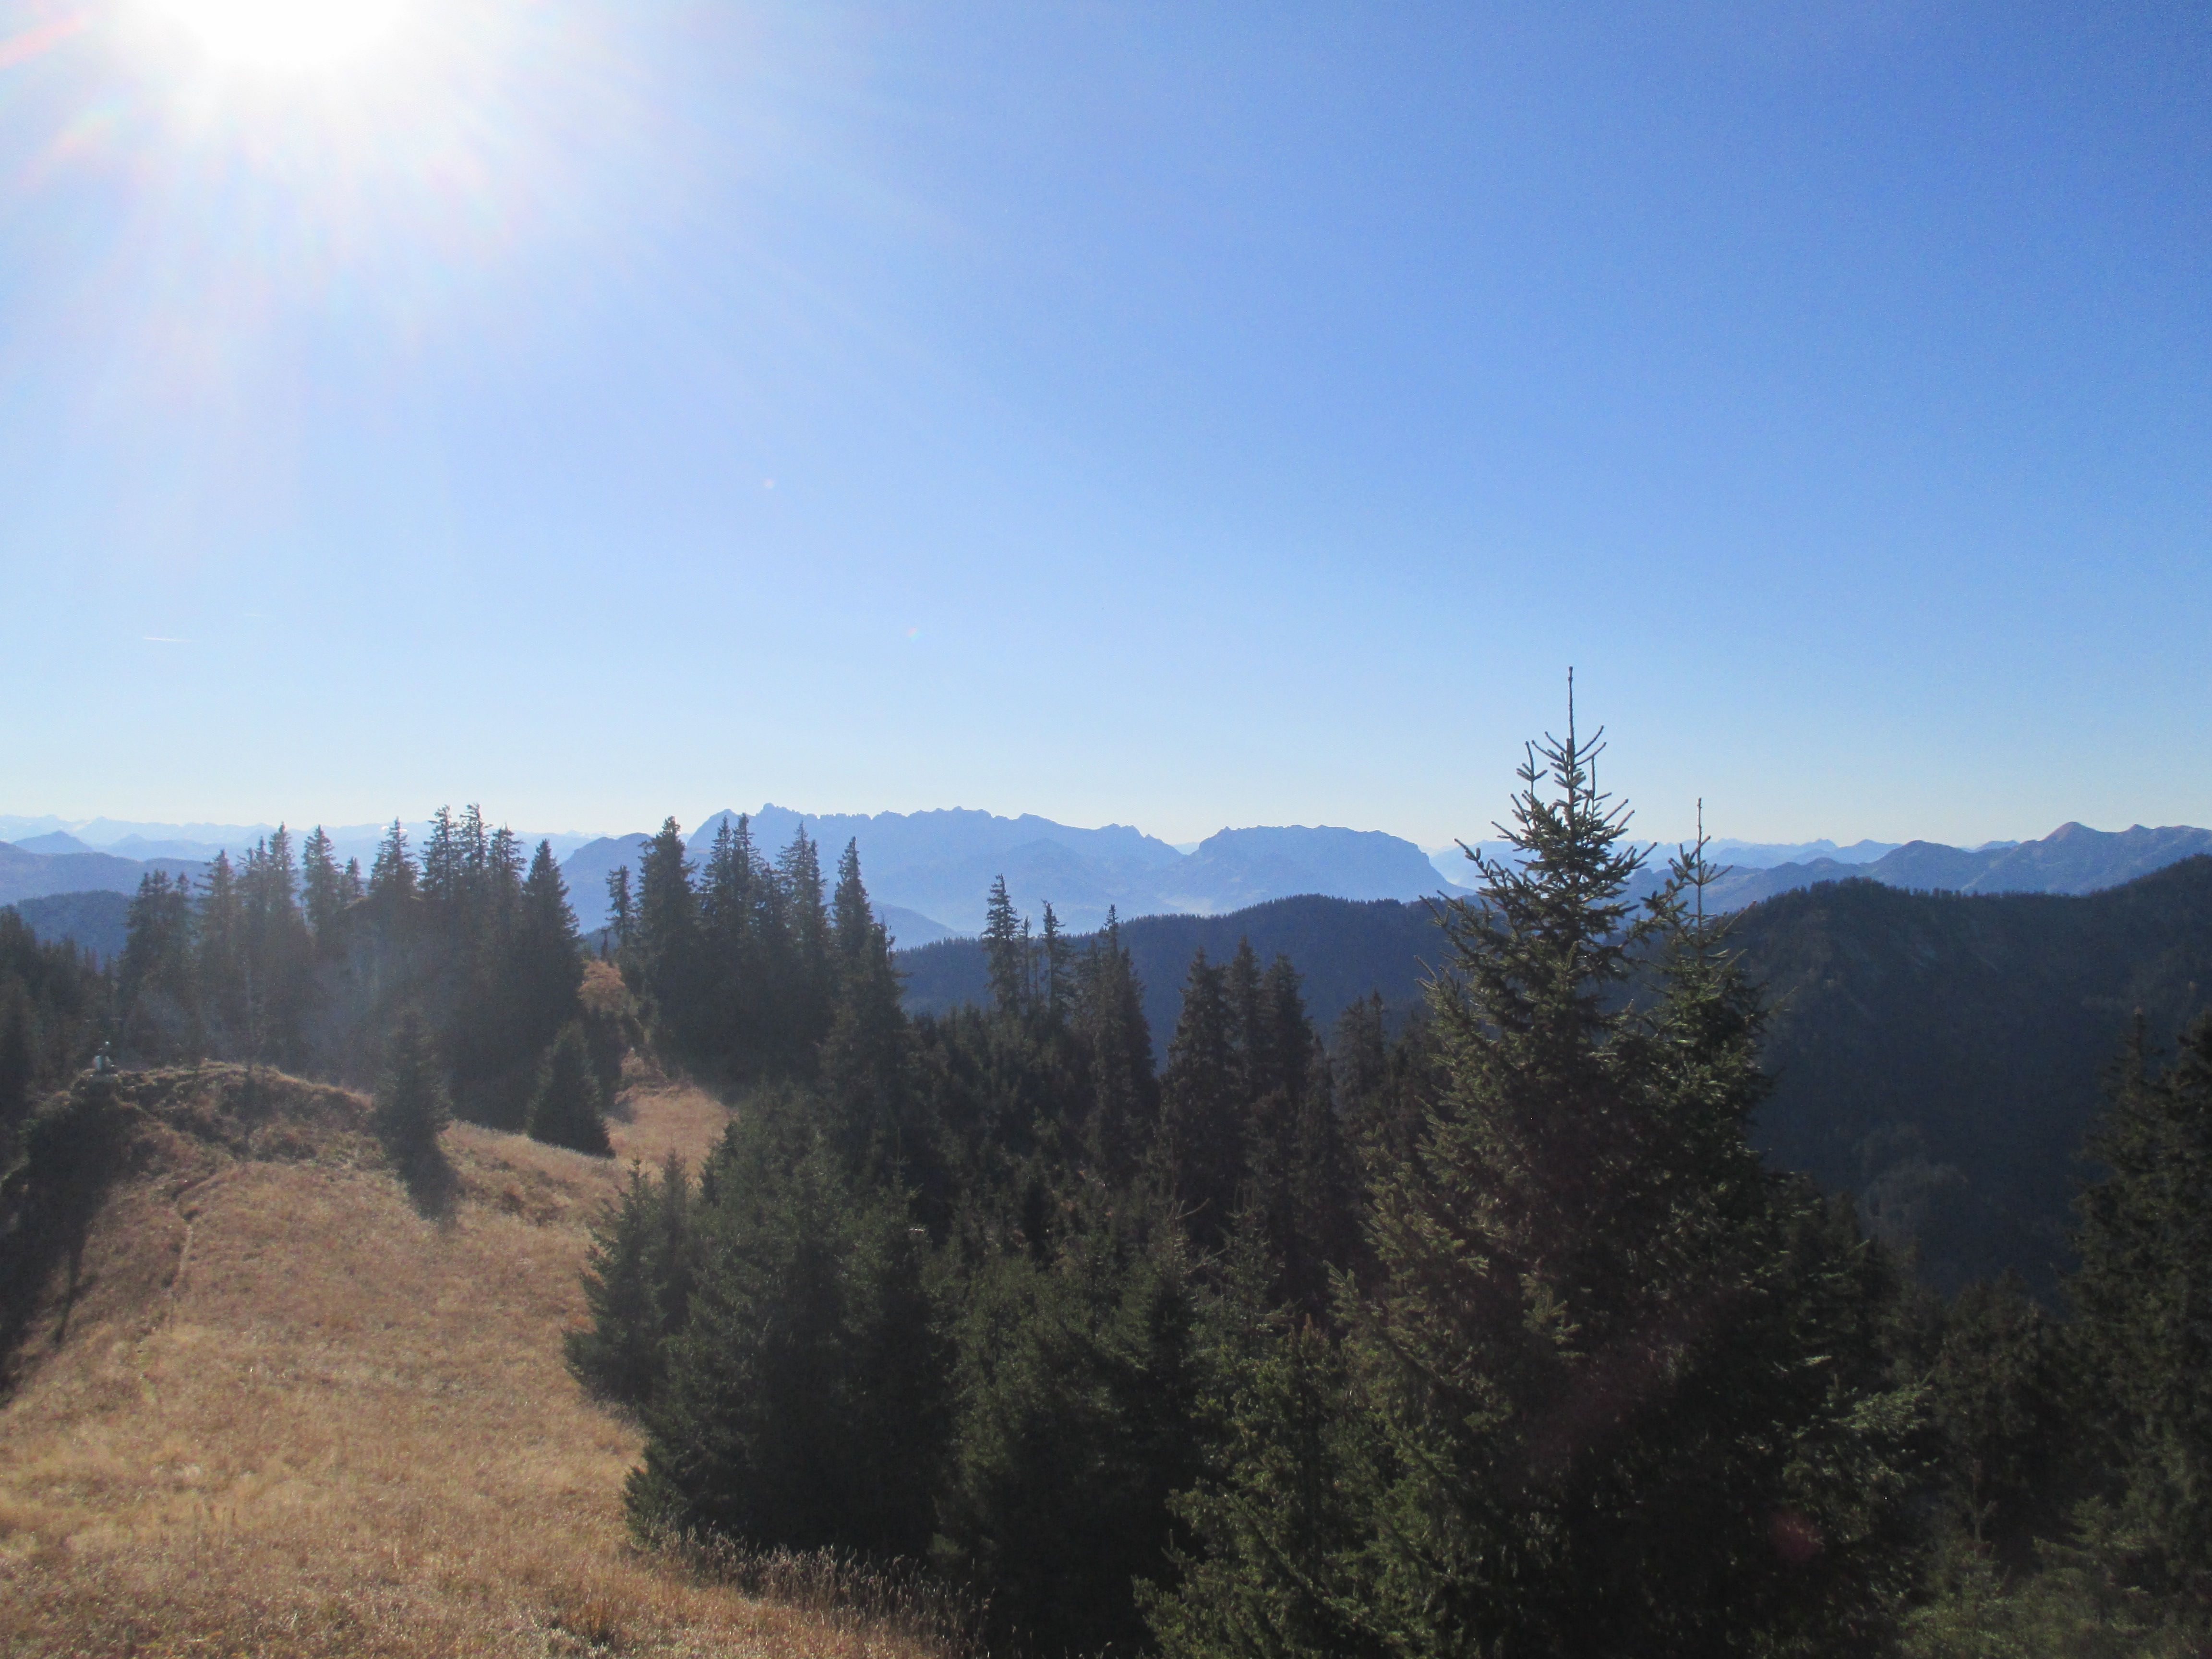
(1488,1335)
(1479,1331)
(1936,1056)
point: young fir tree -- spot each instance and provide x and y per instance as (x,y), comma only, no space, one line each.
(801,1405)
(566,1110)
(637,1287)
(617,1354)
(411,1103)
(1615,1390)
(2143,1294)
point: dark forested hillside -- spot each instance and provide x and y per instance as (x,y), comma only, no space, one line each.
(1936,1055)
(1939,1054)
(1343,950)
(97,920)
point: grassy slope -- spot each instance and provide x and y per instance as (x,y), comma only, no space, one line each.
(284,1413)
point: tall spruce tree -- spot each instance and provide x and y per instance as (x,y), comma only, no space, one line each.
(323,891)
(1202,1140)
(544,955)
(1615,1391)
(663,961)
(1122,1110)
(864,1053)
(1005,952)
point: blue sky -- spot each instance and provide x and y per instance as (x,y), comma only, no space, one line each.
(1177,416)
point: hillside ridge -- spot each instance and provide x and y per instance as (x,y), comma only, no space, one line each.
(267,1403)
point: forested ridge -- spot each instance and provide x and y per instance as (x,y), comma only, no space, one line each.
(1937,1056)
(1483,1331)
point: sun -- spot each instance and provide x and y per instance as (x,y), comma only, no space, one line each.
(284,36)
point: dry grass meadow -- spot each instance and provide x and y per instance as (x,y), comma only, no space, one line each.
(286,1413)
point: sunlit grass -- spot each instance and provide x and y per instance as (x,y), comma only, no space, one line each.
(291,1414)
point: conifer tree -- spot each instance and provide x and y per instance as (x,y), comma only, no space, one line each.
(503,876)
(1999,1402)
(442,865)
(411,1103)
(851,922)
(565,1111)
(1005,952)
(662,962)
(393,891)
(2143,1292)
(1116,1042)
(323,888)
(864,1053)
(544,954)
(800,1406)
(1202,1117)
(276,952)
(157,988)
(621,909)
(219,937)
(1053,981)
(732,925)
(806,970)
(617,1354)
(1251,1027)
(1078,1415)
(1616,1391)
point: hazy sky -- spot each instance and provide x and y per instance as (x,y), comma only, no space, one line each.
(1184,416)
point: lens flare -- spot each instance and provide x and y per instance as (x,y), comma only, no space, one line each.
(284,36)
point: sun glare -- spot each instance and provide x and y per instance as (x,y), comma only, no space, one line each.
(283,36)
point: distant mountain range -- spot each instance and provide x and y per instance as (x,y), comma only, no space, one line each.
(200,842)
(36,875)
(2071,859)
(931,872)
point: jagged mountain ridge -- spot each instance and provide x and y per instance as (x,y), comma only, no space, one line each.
(935,870)
(2071,859)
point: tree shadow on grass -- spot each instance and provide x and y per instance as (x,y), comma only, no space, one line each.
(433,1185)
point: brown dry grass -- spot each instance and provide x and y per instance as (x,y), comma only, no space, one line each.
(289,1414)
